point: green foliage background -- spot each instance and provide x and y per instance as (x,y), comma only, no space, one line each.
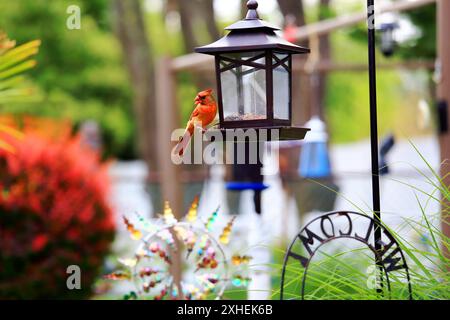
(80,74)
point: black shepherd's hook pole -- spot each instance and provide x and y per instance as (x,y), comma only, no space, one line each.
(374,133)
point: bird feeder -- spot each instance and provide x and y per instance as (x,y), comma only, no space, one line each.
(388,41)
(254,77)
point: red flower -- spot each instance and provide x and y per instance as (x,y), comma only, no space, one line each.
(53,196)
(39,242)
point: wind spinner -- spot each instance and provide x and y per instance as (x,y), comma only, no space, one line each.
(207,269)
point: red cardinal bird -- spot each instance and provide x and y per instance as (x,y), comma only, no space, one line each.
(204,113)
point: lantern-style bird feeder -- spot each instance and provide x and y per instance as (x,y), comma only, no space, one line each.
(254,77)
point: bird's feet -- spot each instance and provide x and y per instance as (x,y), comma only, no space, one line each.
(203,130)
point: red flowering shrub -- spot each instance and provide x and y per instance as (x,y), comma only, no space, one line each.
(53,214)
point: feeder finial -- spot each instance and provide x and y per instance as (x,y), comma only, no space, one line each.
(252,14)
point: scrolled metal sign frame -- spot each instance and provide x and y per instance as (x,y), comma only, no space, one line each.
(390,255)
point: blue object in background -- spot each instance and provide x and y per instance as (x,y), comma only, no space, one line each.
(241,186)
(257,188)
(314,157)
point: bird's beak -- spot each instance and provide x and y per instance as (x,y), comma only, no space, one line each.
(197,99)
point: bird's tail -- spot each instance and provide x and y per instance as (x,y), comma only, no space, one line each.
(184,140)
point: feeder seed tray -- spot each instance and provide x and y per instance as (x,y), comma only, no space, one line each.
(244,117)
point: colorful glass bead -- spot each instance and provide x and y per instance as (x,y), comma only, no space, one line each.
(212,219)
(225,236)
(161,295)
(134,233)
(130,296)
(238,260)
(169,218)
(128,262)
(147,226)
(146,272)
(154,247)
(192,213)
(239,281)
(166,236)
(118,275)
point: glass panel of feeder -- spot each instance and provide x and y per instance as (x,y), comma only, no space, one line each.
(281,93)
(280,56)
(255,102)
(230,89)
(244,93)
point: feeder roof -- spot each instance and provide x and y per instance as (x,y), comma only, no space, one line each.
(251,34)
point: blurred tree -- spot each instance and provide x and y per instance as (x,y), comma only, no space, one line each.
(139,60)
(79,72)
(294,15)
(423,45)
(198,27)
(196,17)
(420,46)
(294,8)
(97,9)
(210,19)
(325,12)
(243,8)
(186,14)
